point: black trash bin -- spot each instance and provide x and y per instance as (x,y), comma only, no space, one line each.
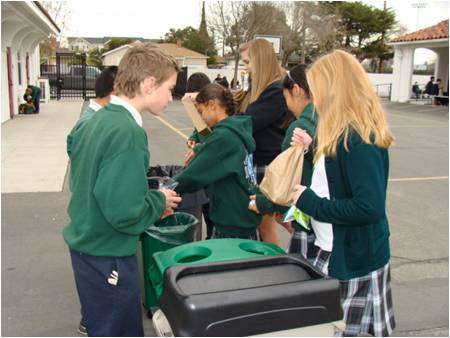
(160,175)
(245,297)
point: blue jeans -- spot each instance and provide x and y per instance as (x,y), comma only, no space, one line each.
(108,288)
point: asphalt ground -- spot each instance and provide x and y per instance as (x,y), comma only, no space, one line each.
(38,291)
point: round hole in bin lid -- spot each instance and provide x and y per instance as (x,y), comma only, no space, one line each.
(256,248)
(192,255)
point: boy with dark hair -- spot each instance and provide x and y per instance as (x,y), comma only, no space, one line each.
(111,206)
(104,86)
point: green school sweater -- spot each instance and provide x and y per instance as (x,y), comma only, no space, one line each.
(357,180)
(35,91)
(87,113)
(110,204)
(220,165)
(197,137)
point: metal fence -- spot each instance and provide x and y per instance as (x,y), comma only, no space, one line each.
(71,77)
(384,90)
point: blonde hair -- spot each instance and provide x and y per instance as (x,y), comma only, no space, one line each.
(265,69)
(140,62)
(345,100)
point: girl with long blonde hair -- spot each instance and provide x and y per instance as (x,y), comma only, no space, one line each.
(265,103)
(352,142)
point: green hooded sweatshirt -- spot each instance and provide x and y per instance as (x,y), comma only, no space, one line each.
(111,205)
(221,165)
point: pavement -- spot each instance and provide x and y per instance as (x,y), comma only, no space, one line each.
(32,144)
(38,291)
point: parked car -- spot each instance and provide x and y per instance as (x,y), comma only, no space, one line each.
(71,76)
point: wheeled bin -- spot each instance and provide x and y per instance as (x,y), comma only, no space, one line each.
(165,234)
(280,295)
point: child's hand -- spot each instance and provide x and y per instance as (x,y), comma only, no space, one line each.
(252,204)
(172,199)
(298,190)
(188,157)
(191,144)
(167,213)
(190,95)
(301,137)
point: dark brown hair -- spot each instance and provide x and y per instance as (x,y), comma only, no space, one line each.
(296,75)
(217,92)
(196,82)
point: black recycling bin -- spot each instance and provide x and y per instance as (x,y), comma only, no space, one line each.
(160,175)
(248,297)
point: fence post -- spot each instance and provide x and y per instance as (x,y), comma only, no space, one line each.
(58,76)
(83,67)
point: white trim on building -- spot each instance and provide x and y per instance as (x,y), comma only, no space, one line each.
(24,25)
(404,63)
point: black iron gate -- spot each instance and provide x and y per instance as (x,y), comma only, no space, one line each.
(71,77)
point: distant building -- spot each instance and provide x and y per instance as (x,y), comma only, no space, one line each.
(85,44)
(184,56)
(434,38)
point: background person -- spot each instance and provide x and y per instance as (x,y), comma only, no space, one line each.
(35,93)
(28,106)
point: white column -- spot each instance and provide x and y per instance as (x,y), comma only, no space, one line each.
(402,74)
(441,71)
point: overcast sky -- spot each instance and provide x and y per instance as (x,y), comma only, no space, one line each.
(152,19)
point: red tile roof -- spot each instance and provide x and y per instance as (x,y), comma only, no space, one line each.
(439,31)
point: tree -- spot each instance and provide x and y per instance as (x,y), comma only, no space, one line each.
(117,42)
(60,13)
(205,40)
(311,29)
(364,29)
(95,57)
(225,20)
(239,22)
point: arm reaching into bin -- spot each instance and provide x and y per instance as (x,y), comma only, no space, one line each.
(207,166)
(172,200)
(122,194)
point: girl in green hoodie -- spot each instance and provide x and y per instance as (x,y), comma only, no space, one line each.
(223,165)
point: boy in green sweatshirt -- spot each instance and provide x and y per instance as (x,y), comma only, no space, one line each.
(110,204)
(223,165)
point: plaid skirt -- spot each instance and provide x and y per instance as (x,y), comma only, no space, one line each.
(302,243)
(367,304)
(320,260)
(259,171)
(215,234)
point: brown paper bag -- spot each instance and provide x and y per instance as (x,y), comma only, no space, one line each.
(282,174)
(195,117)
